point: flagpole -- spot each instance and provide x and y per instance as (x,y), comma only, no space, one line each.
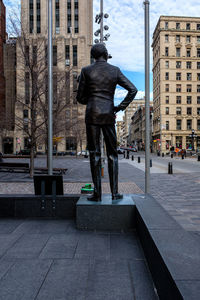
(50,90)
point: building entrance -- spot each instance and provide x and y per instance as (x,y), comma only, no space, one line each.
(8,145)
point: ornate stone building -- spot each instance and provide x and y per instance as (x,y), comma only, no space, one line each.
(176,82)
(2,78)
(72,40)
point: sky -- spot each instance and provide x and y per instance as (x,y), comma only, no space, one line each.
(126,28)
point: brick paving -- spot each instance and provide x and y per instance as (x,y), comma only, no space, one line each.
(69,188)
(179,193)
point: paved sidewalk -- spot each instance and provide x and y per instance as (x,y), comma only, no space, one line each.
(49,260)
(179,193)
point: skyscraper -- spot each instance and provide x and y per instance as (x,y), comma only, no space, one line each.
(72,40)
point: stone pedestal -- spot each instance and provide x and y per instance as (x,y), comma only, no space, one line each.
(105,215)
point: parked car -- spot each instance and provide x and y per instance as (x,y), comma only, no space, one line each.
(84,153)
(120,151)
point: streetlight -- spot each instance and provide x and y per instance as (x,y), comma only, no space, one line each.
(193,136)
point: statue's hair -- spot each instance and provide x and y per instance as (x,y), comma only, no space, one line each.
(99,50)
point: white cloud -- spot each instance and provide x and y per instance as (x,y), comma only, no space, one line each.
(126,22)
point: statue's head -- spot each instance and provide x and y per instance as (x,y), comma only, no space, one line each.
(99,50)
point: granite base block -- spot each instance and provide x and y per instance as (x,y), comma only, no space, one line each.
(105,215)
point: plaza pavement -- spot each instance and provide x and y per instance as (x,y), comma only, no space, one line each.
(179,193)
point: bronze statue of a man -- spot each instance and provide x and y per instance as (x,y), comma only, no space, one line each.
(96,89)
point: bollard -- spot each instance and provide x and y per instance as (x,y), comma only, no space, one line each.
(170,168)
(127,154)
(182,156)
(124,154)
(150,163)
(132,157)
(138,159)
(163,154)
(198,157)
(172,155)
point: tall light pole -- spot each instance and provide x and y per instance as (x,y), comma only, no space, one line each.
(101,24)
(50,90)
(147,97)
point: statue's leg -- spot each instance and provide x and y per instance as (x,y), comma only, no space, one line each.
(93,142)
(111,148)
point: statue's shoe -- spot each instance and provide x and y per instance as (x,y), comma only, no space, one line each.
(94,198)
(117,196)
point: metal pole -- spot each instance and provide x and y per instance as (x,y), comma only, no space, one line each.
(147,97)
(50,90)
(101,24)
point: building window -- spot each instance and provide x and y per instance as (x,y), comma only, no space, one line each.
(198,124)
(71,143)
(54,55)
(55,89)
(167,64)
(189,88)
(25,113)
(167,88)
(188,53)
(38,17)
(34,55)
(57,16)
(67,85)
(189,124)
(178,64)
(166,51)
(189,110)
(27,88)
(178,52)
(178,124)
(198,88)
(188,26)
(75,56)
(198,39)
(189,76)
(179,141)
(167,125)
(198,99)
(198,76)
(167,110)
(188,65)
(178,99)
(188,39)
(198,52)
(178,76)
(178,38)
(198,65)
(198,26)
(76,25)
(69,16)
(177,25)
(67,55)
(167,99)
(189,99)
(178,88)
(27,55)
(178,110)
(31,16)
(198,110)
(166,38)
(166,25)
(167,76)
